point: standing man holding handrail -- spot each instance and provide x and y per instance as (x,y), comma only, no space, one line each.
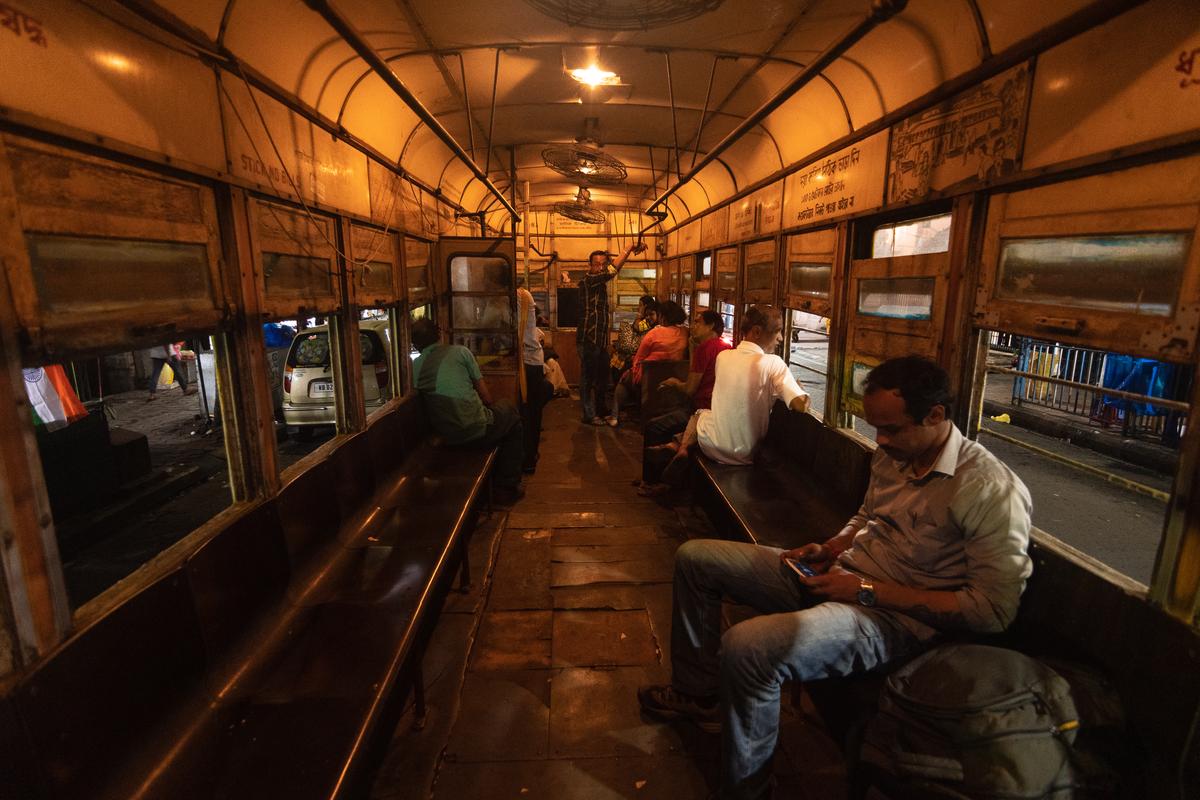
(592,335)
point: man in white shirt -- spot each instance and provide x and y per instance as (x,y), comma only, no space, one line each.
(749,379)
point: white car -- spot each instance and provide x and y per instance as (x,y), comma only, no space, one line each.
(308,373)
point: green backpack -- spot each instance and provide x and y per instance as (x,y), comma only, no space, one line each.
(972,721)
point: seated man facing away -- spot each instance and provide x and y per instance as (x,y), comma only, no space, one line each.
(461,408)
(748,381)
(707,344)
(939,544)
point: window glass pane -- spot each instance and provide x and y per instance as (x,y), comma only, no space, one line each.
(705,266)
(1098,466)
(482,312)
(127,478)
(290,274)
(912,237)
(810,279)
(1138,273)
(807,354)
(376,278)
(306,405)
(414,314)
(727,281)
(375,348)
(634,272)
(760,277)
(418,279)
(492,350)
(727,311)
(480,274)
(898,298)
(81,274)
(702,300)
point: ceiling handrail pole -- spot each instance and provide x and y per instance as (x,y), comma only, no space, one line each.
(492,117)
(352,37)
(704,113)
(462,71)
(674,124)
(881,11)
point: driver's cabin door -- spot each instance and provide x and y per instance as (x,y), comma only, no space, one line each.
(478,305)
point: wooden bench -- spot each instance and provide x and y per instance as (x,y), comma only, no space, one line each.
(811,479)
(275,658)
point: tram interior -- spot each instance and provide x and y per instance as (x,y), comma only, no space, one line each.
(238,562)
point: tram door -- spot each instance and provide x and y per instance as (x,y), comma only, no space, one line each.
(477,300)
(898,299)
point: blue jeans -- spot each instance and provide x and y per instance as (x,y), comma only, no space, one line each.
(593,380)
(795,638)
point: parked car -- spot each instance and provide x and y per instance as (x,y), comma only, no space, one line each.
(308,395)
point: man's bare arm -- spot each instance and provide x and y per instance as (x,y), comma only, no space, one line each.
(485,394)
(620,260)
(689,388)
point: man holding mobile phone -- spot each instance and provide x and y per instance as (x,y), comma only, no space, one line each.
(939,544)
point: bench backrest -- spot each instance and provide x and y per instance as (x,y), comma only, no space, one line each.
(1153,660)
(99,696)
(237,575)
(838,463)
(657,401)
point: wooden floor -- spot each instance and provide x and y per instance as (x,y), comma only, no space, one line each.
(532,675)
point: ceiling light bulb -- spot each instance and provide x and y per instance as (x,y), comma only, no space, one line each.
(594,76)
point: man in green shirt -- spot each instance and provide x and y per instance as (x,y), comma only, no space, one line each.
(460,406)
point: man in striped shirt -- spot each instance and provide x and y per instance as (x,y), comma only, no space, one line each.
(592,334)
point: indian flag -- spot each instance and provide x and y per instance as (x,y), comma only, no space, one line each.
(55,404)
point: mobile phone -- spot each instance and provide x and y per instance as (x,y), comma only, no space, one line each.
(801,568)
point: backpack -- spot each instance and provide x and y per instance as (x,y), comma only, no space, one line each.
(971,721)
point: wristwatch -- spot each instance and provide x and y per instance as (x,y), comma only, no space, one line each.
(866,593)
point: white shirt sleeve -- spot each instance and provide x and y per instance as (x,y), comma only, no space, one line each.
(785,386)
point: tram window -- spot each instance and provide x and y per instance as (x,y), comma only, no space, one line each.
(490,349)
(480,274)
(66,270)
(1043,399)
(1132,273)
(302,381)
(897,298)
(704,263)
(126,477)
(912,237)
(760,277)
(812,280)
(481,313)
(425,311)
(375,349)
(292,274)
(376,278)
(416,266)
(806,351)
(727,312)
(702,300)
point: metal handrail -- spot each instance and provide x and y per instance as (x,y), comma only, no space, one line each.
(1174,405)
(367,53)
(881,11)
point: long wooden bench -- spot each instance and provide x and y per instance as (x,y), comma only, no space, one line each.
(275,658)
(810,479)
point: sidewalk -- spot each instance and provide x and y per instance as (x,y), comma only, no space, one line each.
(1075,429)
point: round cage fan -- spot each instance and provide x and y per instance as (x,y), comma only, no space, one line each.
(584,164)
(580,209)
(624,15)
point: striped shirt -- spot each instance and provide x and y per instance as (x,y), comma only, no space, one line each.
(593,294)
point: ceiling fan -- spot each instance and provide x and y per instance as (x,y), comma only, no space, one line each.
(584,164)
(580,209)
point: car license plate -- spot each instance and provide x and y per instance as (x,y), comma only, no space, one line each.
(320,389)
